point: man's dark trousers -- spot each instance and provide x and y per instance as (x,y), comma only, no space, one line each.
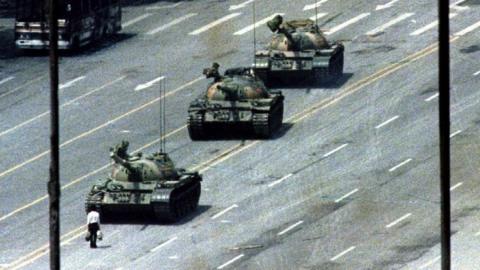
(93,229)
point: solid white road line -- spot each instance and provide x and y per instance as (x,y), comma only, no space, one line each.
(71,83)
(432,97)
(387,122)
(316,5)
(456,186)
(341,254)
(429,26)
(6,80)
(257,24)
(398,220)
(429,263)
(400,165)
(387,5)
(62,106)
(346,195)
(335,150)
(164,6)
(135,20)
(476,73)
(318,16)
(347,23)
(242,5)
(468,29)
(215,23)
(455,133)
(224,211)
(172,23)
(231,261)
(164,244)
(149,84)
(279,180)
(389,24)
(290,228)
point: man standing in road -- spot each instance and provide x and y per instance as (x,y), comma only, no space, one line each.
(93,223)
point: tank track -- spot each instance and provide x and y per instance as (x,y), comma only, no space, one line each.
(333,72)
(196,129)
(264,124)
(180,202)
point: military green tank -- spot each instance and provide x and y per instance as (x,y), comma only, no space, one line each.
(145,185)
(298,51)
(237,100)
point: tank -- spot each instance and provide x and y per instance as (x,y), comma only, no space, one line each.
(145,185)
(298,51)
(237,101)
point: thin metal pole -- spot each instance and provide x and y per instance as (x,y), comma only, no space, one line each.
(53,184)
(444,128)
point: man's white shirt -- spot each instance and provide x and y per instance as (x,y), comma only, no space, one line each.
(93,217)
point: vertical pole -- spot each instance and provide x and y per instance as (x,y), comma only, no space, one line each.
(53,184)
(444,128)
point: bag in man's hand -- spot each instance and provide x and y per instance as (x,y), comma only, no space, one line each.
(99,235)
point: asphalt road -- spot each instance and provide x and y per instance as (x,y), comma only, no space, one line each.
(351,182)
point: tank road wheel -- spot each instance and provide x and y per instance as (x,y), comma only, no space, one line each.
(195,127)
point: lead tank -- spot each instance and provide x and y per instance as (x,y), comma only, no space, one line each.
(235,101)
(298,51)
(145,185)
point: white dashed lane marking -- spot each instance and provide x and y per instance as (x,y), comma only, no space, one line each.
(135,20)
(170,24)
(399,165)
(316,5)
(257,24)
(347,23)
(429,26)
(6,80)
(290,228)
(279,180)
(346,195)
(335,150)
(224,211)
(387,122)
(215,23)
(164,244)
(389,24)
(343,253)
(468,29)
(231,261)
(398,220)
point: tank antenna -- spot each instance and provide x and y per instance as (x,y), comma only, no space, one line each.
(254,36)
(162,86)
(316,14)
